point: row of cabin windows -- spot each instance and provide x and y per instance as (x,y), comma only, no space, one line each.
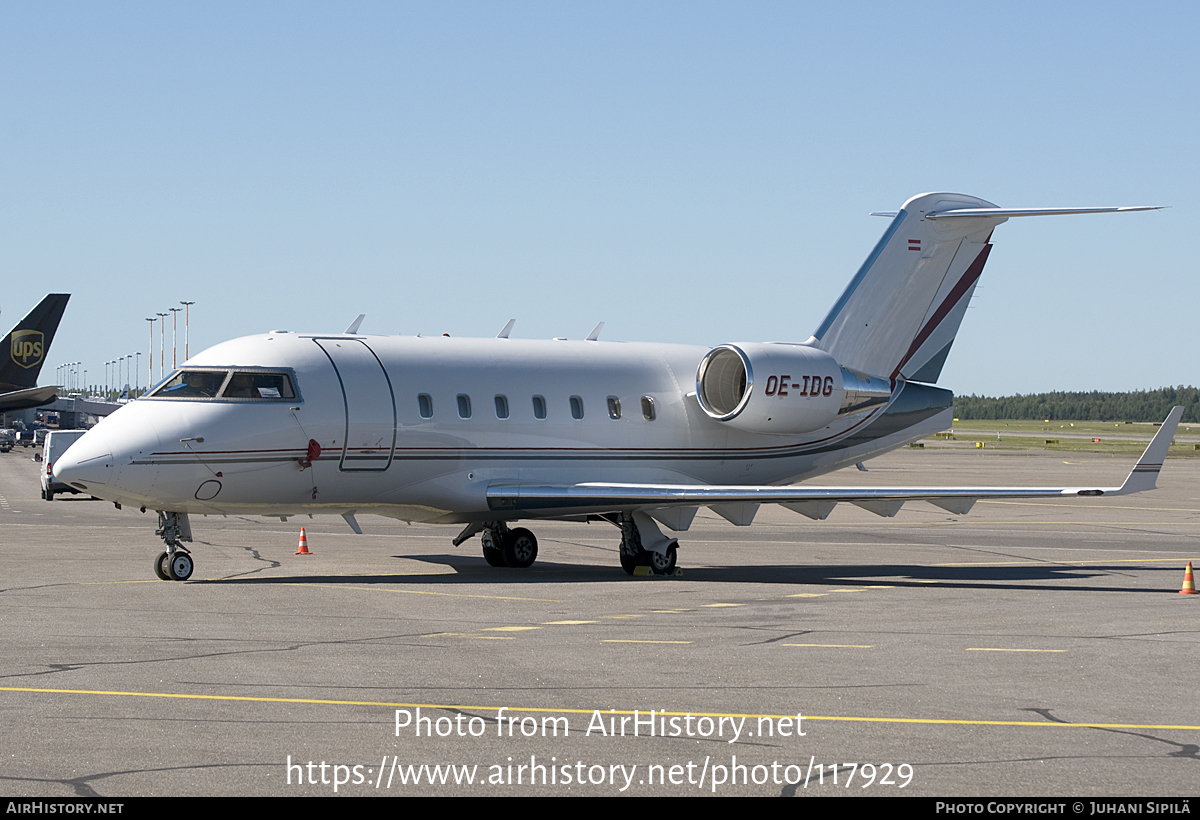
(425,407)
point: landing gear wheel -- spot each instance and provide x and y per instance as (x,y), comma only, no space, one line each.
(492,552)
(663,564)
(180,566)
(520,548)
(160,567)
(629,563)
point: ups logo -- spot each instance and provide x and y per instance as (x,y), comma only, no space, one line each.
(27,347)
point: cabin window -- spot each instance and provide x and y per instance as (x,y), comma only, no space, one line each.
(539,407)
(614,407)
(258,386)
(425,405)
(464,406)
(647,408)
(501,407)
(576,408)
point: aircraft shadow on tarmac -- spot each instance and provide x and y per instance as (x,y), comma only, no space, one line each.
(474,571)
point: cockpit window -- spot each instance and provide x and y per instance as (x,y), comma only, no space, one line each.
(250,385)
(192,384)
(243,385)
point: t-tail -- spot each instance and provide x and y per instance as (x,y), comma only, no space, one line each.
(899,315)
(23,350)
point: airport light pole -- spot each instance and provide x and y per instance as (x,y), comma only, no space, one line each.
(150,373)
(186,306)
(137,371)
(162,342)
(174,336)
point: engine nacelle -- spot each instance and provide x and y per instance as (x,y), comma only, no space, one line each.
(784,389)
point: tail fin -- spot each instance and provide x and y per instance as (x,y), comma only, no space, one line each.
(901,312)
(23,350)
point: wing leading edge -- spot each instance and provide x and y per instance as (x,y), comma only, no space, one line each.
(738,503)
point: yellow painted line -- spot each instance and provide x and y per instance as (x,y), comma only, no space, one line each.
(468,635)
(669,611)
(717,605)
(565,711)
(1098,560)
(616,640)
(859,589)
(567,623)
(423,592)
(1000,649)
(808,595)
(834,645)
(624,616)
(510,628)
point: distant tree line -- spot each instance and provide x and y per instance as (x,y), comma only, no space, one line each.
(1140,405)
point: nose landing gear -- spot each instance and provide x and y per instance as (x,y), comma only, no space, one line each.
(176,563)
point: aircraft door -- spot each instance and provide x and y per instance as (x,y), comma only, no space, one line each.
(369,441)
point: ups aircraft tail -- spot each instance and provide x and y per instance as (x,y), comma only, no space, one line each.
(23,350)
(899,315)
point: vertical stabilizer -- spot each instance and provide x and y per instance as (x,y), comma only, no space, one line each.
(900,313)
(23,350)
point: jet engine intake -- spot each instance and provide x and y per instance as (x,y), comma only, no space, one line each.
(777,388)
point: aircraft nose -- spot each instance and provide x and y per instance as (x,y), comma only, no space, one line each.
(87,464)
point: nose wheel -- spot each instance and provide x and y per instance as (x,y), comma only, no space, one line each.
(174,567)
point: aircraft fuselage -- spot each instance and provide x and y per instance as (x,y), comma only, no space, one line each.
(418,428)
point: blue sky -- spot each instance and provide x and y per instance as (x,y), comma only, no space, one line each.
(691,172)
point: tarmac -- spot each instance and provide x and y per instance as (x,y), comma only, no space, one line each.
(1030,648)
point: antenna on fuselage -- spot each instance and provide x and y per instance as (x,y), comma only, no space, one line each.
(354,325)
(507,329)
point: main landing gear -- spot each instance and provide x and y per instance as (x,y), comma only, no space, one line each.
(503,547)
(176,563)
(642,544)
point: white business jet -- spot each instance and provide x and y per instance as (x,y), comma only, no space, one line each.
(486,432)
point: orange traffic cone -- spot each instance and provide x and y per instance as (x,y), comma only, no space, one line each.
(1189,582)
(303,548)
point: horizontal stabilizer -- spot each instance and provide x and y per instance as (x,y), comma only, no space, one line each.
(24,399)
(1010,212)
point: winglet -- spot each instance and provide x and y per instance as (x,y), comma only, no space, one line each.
(350,331)
(1145,472)
(503,334)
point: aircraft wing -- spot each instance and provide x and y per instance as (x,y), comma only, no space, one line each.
(30,397)
(738,503)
